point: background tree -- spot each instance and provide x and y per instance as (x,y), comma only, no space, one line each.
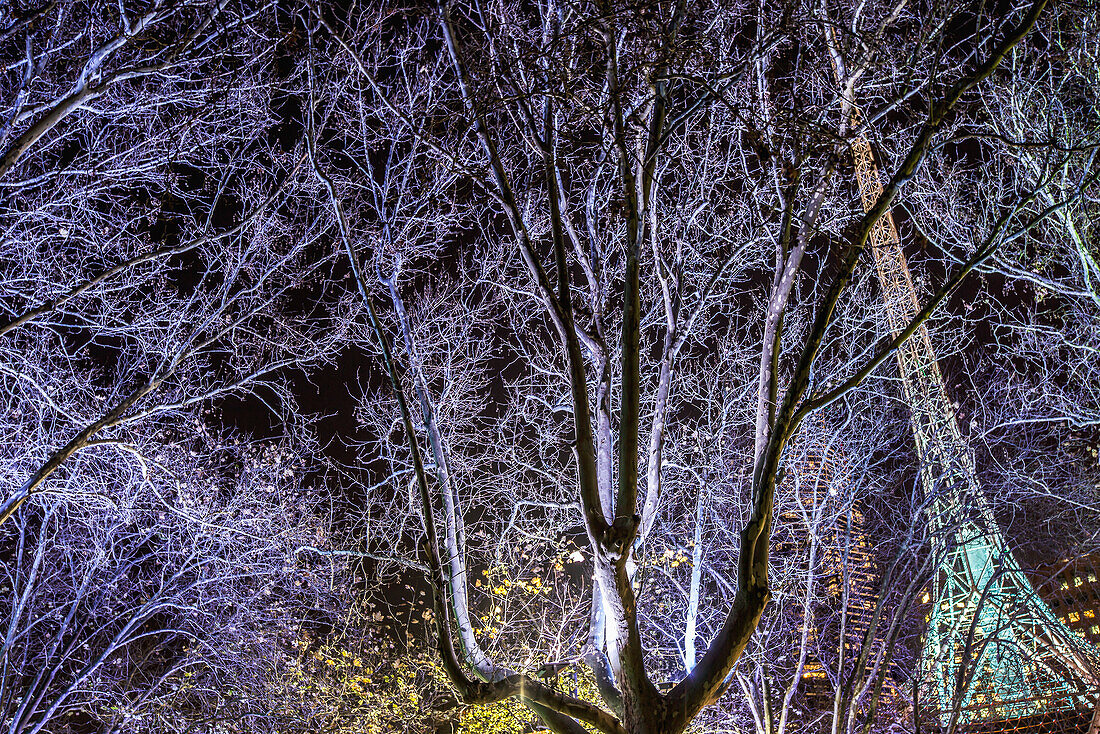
(153,272)
(151,606)
(151,262)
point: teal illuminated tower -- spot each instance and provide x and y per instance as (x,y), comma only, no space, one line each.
(993,651)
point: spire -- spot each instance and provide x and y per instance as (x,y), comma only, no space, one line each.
(994,650)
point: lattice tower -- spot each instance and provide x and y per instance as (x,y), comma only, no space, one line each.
(993,650)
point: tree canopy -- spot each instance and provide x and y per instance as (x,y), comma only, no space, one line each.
(508,366)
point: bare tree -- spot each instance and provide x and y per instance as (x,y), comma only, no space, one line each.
(154,271)
(145,246)
(150,611)
(636,168)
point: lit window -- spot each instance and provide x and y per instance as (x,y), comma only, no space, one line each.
(1074,617)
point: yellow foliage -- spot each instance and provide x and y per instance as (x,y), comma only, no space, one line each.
(361,690)
(512,717)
